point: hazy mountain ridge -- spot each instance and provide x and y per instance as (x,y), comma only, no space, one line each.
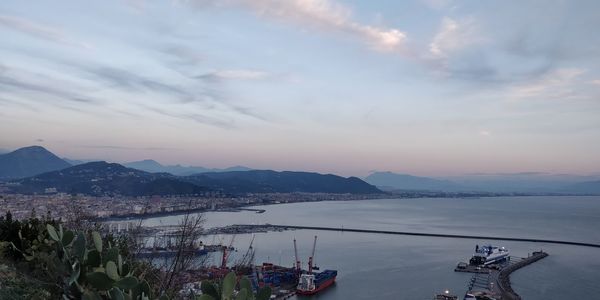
(523,182)
(393,181)
(153,166)
(29,161)
(268,181)
(589,187)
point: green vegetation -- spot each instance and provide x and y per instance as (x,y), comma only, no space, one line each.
(211,291)
(39,259)
(67,264)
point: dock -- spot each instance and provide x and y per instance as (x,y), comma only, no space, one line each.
(503,280)
(493,282)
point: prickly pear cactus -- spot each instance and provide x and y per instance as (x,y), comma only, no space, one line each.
(211,291)
(94,271)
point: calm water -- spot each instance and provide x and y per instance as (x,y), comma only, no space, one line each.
(375,266)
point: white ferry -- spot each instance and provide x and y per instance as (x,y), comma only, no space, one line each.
(485,255)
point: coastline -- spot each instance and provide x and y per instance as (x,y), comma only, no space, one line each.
(248,207)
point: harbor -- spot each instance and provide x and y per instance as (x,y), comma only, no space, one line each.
(492,281)
(403,254)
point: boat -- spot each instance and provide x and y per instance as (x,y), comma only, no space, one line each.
(478,296)
(470,297)
(445,296)
(486,255)
(310,284)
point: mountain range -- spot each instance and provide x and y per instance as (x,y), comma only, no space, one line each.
(109,179)
(588,187)
(392,181)
(45,172)
(102,178)
(268,181)
(527,182)
(33,169)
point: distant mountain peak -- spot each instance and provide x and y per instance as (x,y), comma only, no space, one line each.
(29,161)
(150,165)
(150,161)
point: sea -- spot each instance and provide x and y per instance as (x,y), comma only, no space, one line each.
(379,266)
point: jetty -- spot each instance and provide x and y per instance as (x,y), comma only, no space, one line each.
(493,282)
(503,280)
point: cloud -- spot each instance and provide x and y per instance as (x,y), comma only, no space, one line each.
(197,117)
(452,36)
(212,99)
(557,84)
(128,80)
(113,147)
(595,82)
(183,55)
(29,107)
(437,4)
(23,81)
(40,31)
(321,14)
(235,74)
(485,133)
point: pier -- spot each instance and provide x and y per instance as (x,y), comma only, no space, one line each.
(493,282)
(503,281)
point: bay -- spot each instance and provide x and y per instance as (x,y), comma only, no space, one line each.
(375,266)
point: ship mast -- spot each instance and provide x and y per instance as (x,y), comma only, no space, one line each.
(312,256)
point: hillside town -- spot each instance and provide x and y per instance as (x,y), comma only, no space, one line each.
(58,205)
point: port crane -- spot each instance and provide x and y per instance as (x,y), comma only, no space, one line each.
(226,250)
(312,257)
(298,266)
(248,259)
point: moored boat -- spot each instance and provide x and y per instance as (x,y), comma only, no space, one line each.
(310,284)
(488,254)
(445,296)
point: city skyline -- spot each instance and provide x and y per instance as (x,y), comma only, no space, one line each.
(427,87)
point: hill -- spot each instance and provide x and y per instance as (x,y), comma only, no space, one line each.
(393,181)
(102,178)
(268,181)
(29,161)
(153,166)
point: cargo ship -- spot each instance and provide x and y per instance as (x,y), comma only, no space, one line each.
(486,255)
(310,283)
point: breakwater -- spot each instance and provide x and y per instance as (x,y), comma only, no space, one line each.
(503,280)
(443,235)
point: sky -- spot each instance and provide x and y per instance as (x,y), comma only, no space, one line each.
(426,87)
